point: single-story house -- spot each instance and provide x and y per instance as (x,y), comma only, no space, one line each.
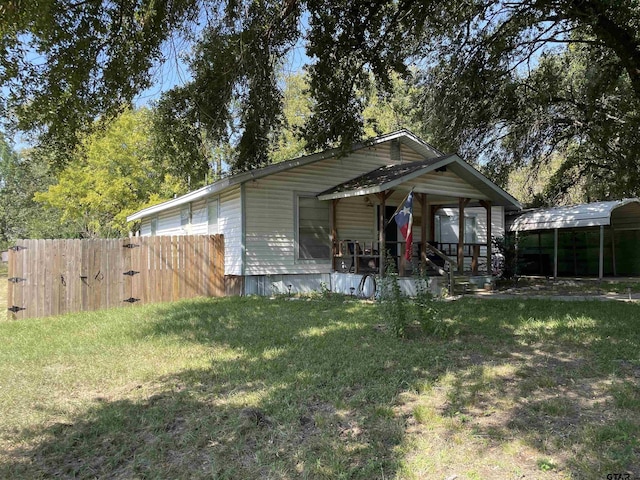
(595,239)
(314,220)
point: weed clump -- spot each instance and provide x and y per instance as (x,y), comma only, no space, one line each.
(401,312)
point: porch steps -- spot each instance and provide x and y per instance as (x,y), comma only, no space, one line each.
(466,284)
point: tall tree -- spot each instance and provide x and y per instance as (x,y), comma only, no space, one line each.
(83,59)
(112,175)
(22,175)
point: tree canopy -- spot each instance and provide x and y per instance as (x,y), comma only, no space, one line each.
(505,82)
(22,175)
(112,174)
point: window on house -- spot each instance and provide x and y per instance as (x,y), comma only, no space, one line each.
(154,225)
(313,229)
(446,229)
(212,216)
(470,231)
(185,217)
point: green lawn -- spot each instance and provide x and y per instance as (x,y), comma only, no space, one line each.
(252,388)
(3,289)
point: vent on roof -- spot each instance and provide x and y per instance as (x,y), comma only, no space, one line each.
(395,151)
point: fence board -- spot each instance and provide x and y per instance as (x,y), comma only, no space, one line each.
(79,275)
(43,281)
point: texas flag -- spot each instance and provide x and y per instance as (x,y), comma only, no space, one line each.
(404,220)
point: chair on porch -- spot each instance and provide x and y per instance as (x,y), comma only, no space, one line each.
(367,260)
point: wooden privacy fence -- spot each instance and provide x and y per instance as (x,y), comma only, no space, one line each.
(51,277)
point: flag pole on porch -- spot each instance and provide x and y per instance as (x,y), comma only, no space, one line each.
(404,221)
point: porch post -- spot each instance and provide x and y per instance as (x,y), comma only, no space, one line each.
(601,256)
(423,230)
(334,232)
(462,202)
(381,233)
(487,205)
(432,221)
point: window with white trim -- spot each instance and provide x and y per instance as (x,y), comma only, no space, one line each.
(154,225)
(313,233)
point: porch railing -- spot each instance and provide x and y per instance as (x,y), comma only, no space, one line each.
(356,256)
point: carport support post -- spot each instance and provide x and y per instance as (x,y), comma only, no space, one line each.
(601,256)
(555,253)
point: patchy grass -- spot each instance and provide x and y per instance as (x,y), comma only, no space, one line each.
(567,286)
(259,388)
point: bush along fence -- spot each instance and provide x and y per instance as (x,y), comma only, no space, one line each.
(51,277)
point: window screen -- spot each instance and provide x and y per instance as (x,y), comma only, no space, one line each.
(313,229)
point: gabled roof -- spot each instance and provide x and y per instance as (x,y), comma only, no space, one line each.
(403,136)
(584,215)
(385,178)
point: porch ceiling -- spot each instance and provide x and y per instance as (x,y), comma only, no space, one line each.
(388,177)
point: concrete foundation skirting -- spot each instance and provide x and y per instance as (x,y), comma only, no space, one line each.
(344,283)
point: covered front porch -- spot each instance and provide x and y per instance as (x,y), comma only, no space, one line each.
(456,212)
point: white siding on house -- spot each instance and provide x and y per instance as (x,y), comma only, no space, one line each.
(444,184)
(169,223)
(355,219)
(145,227)
(263,210)
(230,225)
(270,211)
(199,220)
(213,214)
(408,155)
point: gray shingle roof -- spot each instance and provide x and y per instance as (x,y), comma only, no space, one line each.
(383,175)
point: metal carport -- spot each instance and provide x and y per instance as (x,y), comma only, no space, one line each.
(611,217)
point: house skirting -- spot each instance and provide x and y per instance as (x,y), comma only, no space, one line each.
(344,283)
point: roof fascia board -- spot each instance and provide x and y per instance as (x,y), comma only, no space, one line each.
(186,198)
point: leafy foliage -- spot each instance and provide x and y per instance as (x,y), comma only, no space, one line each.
(537,81)
(507,83)
(112,174)
(400,312)
(21,176)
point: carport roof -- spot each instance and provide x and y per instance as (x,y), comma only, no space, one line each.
(584,215)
